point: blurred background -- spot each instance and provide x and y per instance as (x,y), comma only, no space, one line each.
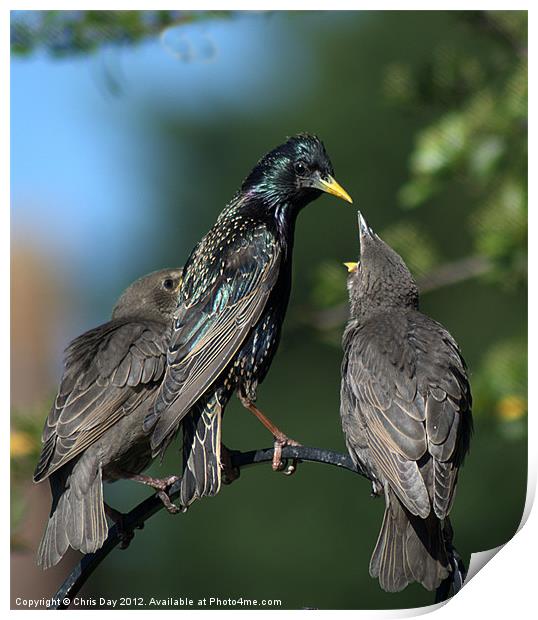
(129,133)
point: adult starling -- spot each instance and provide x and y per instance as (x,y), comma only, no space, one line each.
(94,431)
(236,286)
(406,414)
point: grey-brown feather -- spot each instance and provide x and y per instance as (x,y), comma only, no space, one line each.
(406,415)
(410,438)
(101,387)
(94,431)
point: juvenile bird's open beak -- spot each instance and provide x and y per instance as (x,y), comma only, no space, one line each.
(331,186)
(351,267)
(363,226)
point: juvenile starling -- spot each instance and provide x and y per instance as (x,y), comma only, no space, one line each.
(406,414)
(236,286)
(94,431)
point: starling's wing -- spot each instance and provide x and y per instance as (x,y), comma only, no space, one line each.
(217,310)
(404,412)
(396,439)
(447,395)
(108,372)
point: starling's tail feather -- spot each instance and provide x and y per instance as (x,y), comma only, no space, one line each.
(454,582)
(409,549)
(77,517)
(201,451)
(55,543)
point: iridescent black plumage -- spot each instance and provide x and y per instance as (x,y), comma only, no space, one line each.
(406,415)
(236,286)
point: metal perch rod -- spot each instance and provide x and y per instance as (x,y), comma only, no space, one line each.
(146,509)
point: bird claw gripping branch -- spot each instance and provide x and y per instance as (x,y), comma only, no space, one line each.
(161,485)
(278,464)
(125,534)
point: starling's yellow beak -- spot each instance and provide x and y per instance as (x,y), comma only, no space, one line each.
(331,186)
(351,267)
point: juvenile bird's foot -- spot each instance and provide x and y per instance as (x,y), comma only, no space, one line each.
(168,503)
(281,441)
(161,485)
(125,534)
(229,472)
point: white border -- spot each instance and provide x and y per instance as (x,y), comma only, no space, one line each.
(504,587)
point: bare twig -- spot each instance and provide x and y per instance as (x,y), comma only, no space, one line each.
(454,273)
(445,275)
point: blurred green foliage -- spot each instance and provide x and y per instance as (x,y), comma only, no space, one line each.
(25,446)
(425,117)
(65,33)
(477,143)
(479,139)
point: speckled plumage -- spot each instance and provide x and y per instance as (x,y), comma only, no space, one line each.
(406,415)
(94,431)
(236,287)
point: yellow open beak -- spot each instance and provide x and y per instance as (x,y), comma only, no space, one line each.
(351,267)
(331,186)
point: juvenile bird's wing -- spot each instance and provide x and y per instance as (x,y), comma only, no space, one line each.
(412,399)
(108,372)
(443,381)
(221,300)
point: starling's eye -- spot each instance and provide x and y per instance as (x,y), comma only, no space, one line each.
(168,284)
(301,168)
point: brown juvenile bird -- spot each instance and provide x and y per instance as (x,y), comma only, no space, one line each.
(406,415)
(94,429)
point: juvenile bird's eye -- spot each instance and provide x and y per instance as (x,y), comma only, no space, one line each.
(168,284)
(300,168)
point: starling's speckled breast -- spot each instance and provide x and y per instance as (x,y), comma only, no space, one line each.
(235,292)
(254,359)
(233,233)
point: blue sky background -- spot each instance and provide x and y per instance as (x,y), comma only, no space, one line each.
(77,148)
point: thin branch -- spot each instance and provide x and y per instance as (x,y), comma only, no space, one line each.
(146,509)
(454,273)
(445,275)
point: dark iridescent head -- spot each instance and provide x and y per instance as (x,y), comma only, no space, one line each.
(152,297)
(380,281)
(297,172)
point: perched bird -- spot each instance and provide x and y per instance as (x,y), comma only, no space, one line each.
(236,286)
(94,431)
(406,415)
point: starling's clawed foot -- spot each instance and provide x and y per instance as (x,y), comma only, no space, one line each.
(281,440)
(125,534)
(161,485)
(278,465)
(229,471)
(168,503)
(165,483)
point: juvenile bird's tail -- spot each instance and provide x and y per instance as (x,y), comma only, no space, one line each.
(454,582)
(77,517)
(409,549)
(202,472)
